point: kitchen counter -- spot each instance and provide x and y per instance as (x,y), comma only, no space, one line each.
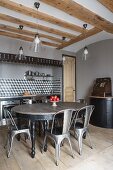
(16,97)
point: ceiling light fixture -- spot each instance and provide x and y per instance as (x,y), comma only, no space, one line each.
(37,38)
(36,4)
(20,54)
(21,51)
(85,53)
(36,41)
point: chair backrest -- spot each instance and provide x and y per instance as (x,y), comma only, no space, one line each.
(85,113)
(67,116)
(9,119)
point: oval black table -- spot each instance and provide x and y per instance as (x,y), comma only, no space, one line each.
(42,111)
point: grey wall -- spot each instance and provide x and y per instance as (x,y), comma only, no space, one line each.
(98,64)
(9,45)
(12,46)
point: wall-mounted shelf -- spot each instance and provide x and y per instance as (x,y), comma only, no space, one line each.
(13,58)
(31,77)
(41,76)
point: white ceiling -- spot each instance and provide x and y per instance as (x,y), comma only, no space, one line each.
(92,5)
(95,38)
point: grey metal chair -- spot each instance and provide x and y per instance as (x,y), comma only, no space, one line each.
(81,125)
(13,130)
(59,133)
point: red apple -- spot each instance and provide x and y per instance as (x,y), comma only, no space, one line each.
(57,99)
(52,98)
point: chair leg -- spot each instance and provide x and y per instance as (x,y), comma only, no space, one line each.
(79,134)
(29,135)
(75,132)
(57,152)
(43,146)
(91,146)
(5,146)
(70,146)
(10,142)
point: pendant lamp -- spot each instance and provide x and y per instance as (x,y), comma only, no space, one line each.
(85,52)
(37,38)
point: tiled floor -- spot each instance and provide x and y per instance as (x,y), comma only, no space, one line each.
(98,158)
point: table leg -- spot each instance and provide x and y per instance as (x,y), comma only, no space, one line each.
(39,128)
(19,127)
(45,128)
(33,139)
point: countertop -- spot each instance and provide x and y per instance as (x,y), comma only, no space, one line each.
(17,97)
(24,97)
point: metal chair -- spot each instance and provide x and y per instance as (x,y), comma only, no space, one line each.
(81,125)
(59,133)
(13,130)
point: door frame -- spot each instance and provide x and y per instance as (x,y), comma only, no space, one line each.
(65,55)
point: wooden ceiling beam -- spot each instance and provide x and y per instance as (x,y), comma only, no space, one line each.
(89,33)
(50,44)
(39,15)
(80,12)
(28,33)
(107,3)
(34,25)
(17,36)
(25,38)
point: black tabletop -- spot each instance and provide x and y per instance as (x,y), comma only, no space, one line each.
(45,108)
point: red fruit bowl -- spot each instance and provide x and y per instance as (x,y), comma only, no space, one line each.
(54,99)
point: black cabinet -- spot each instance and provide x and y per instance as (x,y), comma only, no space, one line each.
(103,113)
